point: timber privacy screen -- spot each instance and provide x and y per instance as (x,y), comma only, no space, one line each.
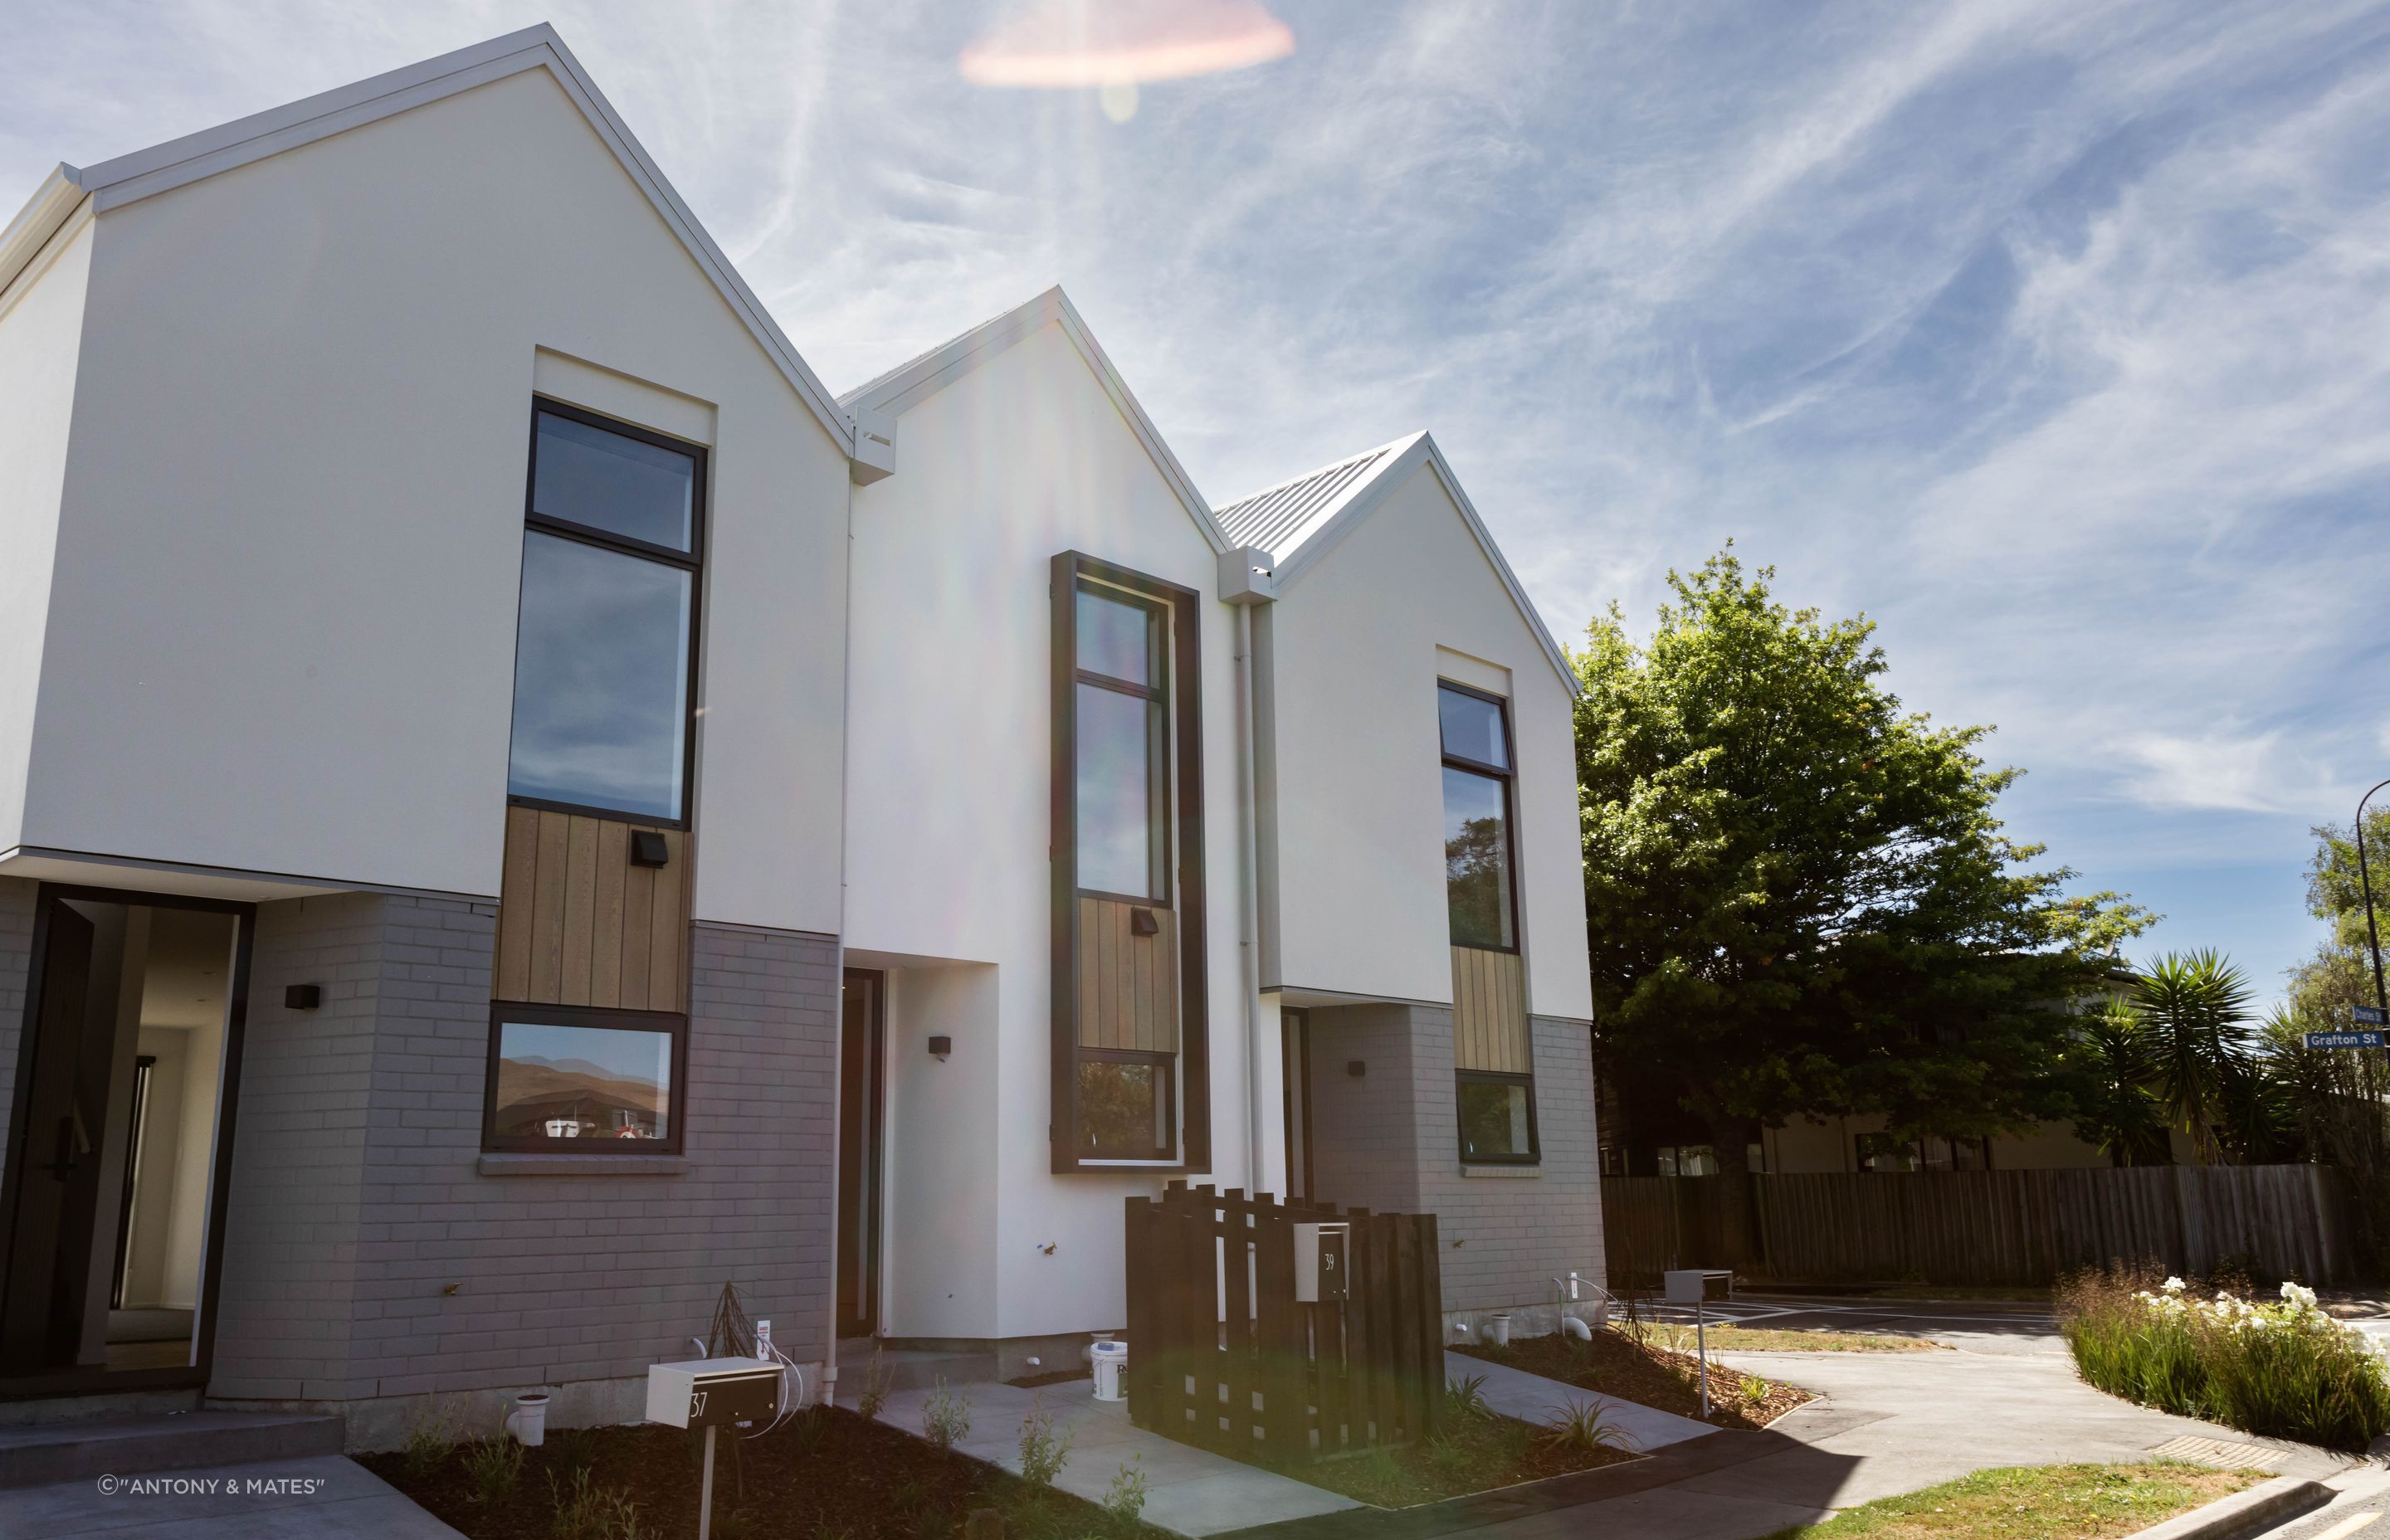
(1224,1356)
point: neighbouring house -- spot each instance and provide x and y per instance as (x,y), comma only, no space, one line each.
(518,808)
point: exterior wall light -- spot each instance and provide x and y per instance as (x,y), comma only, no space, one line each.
(940,1048)
(648,849)
(302,997)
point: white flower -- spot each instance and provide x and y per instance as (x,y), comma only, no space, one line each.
(2298,1296)
(2174,1286)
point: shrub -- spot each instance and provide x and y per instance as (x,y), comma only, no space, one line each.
(1042,1455)
(430,1433)
(1464,1399)
(1580,1425)
(874,1393)
(1124,1500)
(492,1464)
(945,1416)
(2284,1370)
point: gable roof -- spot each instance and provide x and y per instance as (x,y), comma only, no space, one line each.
(916,379)
(179,163)
(1299,521)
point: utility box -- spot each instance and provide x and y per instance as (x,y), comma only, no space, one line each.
(1319,1261)
(1691,1285)
(710,1392)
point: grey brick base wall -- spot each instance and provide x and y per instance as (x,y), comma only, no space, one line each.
(373,1257)
(1389,1140)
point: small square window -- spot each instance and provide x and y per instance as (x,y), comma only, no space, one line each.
(565,1079)
(1497,1119)
(1125,1107)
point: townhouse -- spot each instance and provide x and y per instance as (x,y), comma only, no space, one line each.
(517,807)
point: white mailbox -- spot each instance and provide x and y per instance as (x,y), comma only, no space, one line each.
(1319,1260)
(708,1392)
(1691,1285)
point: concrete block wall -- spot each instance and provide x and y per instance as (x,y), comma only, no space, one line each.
(473,1279)
(15,971)
(286,1300)
(1389,1140)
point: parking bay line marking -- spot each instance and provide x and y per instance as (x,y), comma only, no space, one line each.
(2347,1526)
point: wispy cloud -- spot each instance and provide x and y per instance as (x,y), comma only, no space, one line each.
(2055,334)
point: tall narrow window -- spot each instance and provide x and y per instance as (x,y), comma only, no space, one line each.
(588,1041)
(1128,932)
(1493,1039)
(606,646)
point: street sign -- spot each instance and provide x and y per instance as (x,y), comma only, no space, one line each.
(2368,1039)
(2368,1016)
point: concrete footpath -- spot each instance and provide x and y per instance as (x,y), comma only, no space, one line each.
(299,1499)
(2004,1393)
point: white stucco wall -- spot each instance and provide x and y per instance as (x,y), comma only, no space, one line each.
(1023,458)
(41,325)
(1356,643)
(283,628)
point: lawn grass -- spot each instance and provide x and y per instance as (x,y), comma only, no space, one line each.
(1741,1338)
(2036,1502)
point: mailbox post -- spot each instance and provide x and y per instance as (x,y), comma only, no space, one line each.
(1691,1286)
(707,1392)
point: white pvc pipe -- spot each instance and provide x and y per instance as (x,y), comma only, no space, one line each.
(1575,1326)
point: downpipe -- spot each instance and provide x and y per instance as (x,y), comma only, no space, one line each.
(1249,881)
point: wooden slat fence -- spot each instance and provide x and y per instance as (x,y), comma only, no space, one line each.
(1222,1355)
(2010,1229)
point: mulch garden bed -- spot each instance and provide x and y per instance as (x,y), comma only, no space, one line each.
(1617,1364)
(825,1474)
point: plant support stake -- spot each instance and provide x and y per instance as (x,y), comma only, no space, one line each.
(2365,885)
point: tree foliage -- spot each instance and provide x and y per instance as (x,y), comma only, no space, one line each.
(1799,897)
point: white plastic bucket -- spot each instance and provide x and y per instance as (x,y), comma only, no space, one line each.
(1502,1329)
(528,1421)
(1111,1360)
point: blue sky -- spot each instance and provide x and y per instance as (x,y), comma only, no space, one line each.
(2056,337)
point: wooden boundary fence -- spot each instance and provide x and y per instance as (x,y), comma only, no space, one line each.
(1222,1355)
(2010,1229)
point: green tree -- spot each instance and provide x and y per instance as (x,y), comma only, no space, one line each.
(2195,1008)
(1799,899)
(2115,1108)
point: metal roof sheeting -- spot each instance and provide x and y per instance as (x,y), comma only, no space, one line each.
(1276,520)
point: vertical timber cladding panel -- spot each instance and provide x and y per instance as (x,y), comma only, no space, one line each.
(579,925)
(1127,983)
(1490,1012)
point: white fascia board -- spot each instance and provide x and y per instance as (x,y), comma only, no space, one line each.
(178,162)
(909,385)
(1363,498)
(44,215)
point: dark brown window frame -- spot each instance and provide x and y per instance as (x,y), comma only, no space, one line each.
(691,561)
(1157,694)
(1192,1129)
(1507,780)
(670,1022)
(1168,1063)
(1535,1151)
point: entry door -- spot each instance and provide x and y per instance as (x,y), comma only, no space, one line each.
(861,1100)
(41,1315)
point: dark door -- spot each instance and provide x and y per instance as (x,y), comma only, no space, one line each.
(57,1155)
(1294,1031)
(860,1098)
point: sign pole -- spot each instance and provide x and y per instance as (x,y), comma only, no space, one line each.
(705,1494)
(2365,885)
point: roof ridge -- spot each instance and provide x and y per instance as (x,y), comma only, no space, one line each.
(850,399)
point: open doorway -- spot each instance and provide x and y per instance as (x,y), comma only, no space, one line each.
(113,1199)
(862,1099)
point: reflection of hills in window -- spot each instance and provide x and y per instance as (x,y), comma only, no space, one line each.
(577,1067)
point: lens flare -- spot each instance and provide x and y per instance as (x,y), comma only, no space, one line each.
(1124,43)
